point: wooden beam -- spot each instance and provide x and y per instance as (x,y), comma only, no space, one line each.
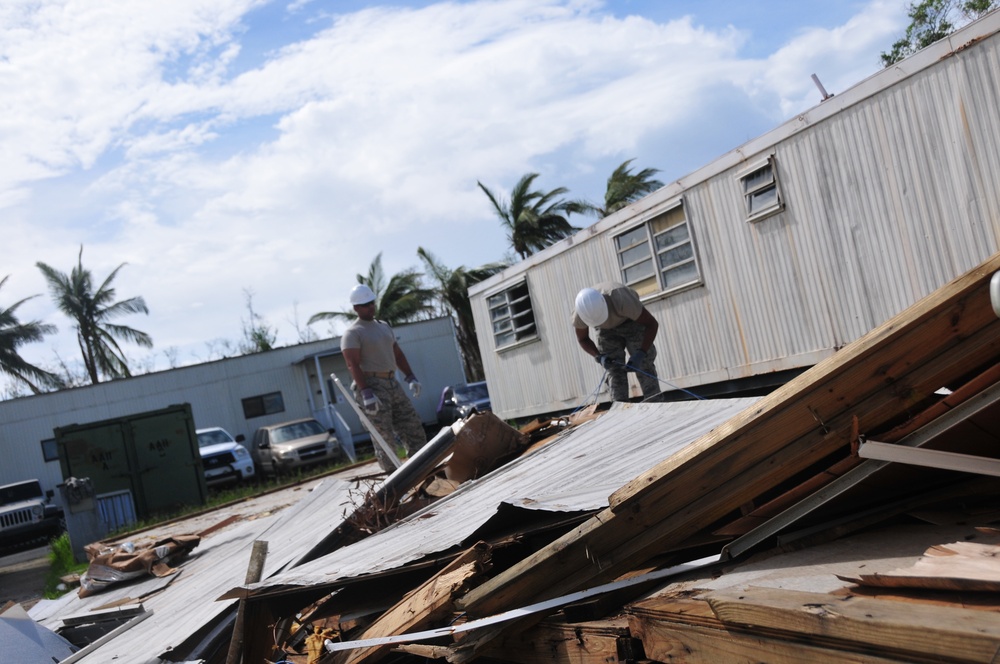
(255,568)
(595,642)
(893,628)
(934,343)
(961,566)
(689,644)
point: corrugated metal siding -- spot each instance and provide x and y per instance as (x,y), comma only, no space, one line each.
(889,190)
(215,391)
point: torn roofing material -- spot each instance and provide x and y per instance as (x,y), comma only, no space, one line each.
(186,604)
(562,474)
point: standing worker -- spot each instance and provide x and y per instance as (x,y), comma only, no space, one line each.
(372,355)
(622,323)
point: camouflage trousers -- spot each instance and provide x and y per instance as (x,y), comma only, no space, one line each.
(614,343)
(395,418)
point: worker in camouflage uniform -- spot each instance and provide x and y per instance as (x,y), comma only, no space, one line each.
(372,355)
(622,323)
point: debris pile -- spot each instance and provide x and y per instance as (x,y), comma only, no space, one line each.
(744,529)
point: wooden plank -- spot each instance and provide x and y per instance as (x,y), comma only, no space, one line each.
(596,642)
(962,566)
(938,633)
(690,644)
(934,343)
(429,602)
(959,396)
(780,503)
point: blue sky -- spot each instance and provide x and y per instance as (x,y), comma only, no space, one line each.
(276,148)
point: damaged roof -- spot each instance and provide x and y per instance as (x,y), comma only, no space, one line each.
(183,606)
(576,472)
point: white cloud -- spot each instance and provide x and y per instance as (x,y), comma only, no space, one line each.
(168,136)
(840,56)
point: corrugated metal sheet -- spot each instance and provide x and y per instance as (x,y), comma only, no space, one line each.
(185,603)
(563,474)
(889,190)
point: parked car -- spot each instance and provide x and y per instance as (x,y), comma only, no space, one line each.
(222,456)
(28,515)
(278,448)
(461,400)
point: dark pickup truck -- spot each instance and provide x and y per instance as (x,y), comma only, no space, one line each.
(27,514)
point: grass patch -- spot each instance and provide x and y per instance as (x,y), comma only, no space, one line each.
(61,563)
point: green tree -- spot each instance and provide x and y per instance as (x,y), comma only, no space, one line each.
(452,290)
(14,334)
(624,188)
(93,310)
(258,336)
(932,20)
(399,299)
(533,219)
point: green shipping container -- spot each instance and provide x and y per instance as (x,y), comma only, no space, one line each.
(154,455)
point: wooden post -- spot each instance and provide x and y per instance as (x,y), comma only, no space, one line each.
(254,571)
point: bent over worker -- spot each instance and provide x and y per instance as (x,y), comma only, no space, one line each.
(622,324)
(372,356)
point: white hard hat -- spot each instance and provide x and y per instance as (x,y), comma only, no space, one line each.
(361,294)
(591,307)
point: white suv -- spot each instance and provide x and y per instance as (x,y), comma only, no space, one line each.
(27,515)
(222,456)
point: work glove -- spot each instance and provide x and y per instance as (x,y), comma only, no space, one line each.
(414,384)
(635,360)
(369,401)
(604,361)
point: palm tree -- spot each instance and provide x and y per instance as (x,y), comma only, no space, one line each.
(453,292)
(624,188)
(401,299)
(533,219)
(92,311)
(14,333)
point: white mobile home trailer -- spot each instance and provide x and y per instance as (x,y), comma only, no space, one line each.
(778,253)
(239,394)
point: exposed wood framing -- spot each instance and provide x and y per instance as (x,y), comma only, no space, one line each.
(430,602)
(936,342)
(594,642)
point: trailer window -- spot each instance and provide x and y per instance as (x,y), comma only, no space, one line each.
(658,255)
(511,315)
(265,404)
(760,191)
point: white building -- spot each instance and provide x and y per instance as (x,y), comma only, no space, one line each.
(781,251)
(239,394)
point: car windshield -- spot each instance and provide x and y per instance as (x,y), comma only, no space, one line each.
(471,393)
(206,438)
(15,493)
(296,431)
